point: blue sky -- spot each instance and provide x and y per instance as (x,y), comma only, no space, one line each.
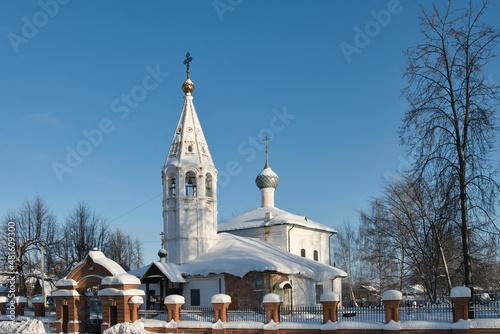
(113,71)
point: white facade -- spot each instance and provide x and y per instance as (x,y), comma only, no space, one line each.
(199,290)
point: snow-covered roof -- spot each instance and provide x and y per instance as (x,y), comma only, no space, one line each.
(123,278)
(257,218)
(99,258)
(66,282)
(171,270)
(239,255)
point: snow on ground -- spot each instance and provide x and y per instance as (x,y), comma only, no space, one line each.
(25,326)
(127,328)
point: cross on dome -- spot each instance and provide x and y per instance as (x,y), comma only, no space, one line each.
(188,85)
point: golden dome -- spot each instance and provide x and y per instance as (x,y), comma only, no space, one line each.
(188,86)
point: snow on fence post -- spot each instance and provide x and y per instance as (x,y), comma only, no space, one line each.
(330,301)
(391,300)
(460,296)
(20,303)
(221,303)
(272,302)
(174,304)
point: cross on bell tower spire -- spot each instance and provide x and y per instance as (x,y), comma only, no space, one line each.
(187,61)
(188,85)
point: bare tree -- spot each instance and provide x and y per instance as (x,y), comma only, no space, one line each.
(35,226)
(121,248)
(83,230)
(450,127)
(379,249)
(346,253)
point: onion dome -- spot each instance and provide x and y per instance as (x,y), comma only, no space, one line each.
(162,253)
(267,178)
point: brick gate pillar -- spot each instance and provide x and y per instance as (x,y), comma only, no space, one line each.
(460,296)
(330,300)
(174,304)
(391,300)
(272,302)
(68,309)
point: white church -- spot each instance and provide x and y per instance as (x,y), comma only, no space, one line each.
(261,251)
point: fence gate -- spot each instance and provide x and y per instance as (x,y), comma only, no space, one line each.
(93,318)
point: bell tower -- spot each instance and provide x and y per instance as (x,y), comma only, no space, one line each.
(189,181)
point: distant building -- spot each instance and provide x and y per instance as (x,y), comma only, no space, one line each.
(261,251)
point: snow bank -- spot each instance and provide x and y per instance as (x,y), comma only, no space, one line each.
(443,325)
(127,328)
(27,326)
(392,295)
(221,298)
(460,291)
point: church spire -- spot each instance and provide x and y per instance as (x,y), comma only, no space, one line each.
(189,186)
(267,180)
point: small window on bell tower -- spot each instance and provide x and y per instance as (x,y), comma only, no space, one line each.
(190,184)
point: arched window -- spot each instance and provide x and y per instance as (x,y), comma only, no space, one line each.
(190,184)
(303,252)
(315,255)
(208,185)
(171,186)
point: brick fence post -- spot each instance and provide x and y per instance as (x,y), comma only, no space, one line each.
(330,300)
(134,303)
(39,305)
(174,304)
(221,303)
(3,303)
(20,302)
(460,296)
(391,300)
(272,302)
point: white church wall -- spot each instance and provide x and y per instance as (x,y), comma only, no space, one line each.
(310,241)
(275,235)
(206,286)
(303,291)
